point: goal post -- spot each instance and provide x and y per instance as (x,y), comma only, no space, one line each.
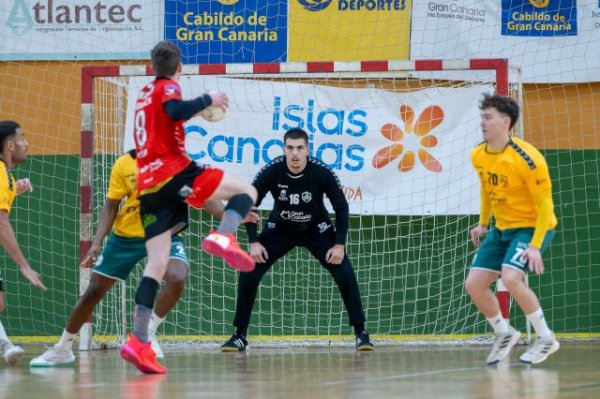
(410,212)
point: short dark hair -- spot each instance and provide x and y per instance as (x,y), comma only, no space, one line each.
(504,105)
(295,133)
(7,130)
(165,59)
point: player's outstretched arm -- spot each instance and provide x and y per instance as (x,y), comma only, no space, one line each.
(183,110)
(10,244)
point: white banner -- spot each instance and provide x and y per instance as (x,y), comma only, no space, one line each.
(430,131)
(551,40)
(79,29)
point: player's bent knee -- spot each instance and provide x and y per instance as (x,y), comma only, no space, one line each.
(177,270)
(176,280)
(474,286)
(513,281)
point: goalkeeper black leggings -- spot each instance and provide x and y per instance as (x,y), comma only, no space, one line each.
(277,245)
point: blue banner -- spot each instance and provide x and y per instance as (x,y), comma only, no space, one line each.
(539,18)
(228,31)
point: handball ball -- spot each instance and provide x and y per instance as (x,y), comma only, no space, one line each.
(212,113)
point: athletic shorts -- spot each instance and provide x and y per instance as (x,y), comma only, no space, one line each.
(165,207)
(121,254)
(503,248)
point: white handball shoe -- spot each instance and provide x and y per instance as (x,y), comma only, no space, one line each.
(11,353)
(502,345)
(541,349)
(53,357)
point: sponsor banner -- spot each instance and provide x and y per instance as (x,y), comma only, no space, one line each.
(405,154)
(228,31)
(551,40)
(348,30)
(539,17)
(78,29)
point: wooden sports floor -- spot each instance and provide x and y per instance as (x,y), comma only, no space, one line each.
(388,372)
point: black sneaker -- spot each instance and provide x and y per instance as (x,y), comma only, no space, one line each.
(363,343)
(236,343)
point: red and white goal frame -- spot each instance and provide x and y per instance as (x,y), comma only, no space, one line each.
(498,66)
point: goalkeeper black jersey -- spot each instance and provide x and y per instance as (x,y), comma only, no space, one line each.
(299,208)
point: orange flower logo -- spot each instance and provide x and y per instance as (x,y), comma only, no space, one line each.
(429,119)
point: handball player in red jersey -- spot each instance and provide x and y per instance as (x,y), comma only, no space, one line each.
(168,182)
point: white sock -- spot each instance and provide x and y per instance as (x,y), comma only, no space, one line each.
(538,321)
(498,323)
(66,340)
(155,321)
(3,336)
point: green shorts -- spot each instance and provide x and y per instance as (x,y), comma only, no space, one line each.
(120,255)
(503,248)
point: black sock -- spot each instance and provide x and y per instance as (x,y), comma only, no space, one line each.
(144,303)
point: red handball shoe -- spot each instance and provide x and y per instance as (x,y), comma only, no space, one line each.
(225,246)
(141,356)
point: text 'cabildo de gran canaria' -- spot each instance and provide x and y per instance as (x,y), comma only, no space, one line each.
(226,27)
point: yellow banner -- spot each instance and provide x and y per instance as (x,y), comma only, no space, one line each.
(347,30)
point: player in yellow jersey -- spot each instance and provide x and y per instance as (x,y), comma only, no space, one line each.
(516,190)
(13,150)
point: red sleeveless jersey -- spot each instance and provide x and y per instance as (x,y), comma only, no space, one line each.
(159,140)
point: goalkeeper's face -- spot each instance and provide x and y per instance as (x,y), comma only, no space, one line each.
(296,154)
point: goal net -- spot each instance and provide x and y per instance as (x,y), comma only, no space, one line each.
(398,134)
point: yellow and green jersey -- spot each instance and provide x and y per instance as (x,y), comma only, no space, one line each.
(123,184)
(8,188)
(509,181)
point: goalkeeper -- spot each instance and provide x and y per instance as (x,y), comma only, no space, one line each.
(298,183)
(516,190)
